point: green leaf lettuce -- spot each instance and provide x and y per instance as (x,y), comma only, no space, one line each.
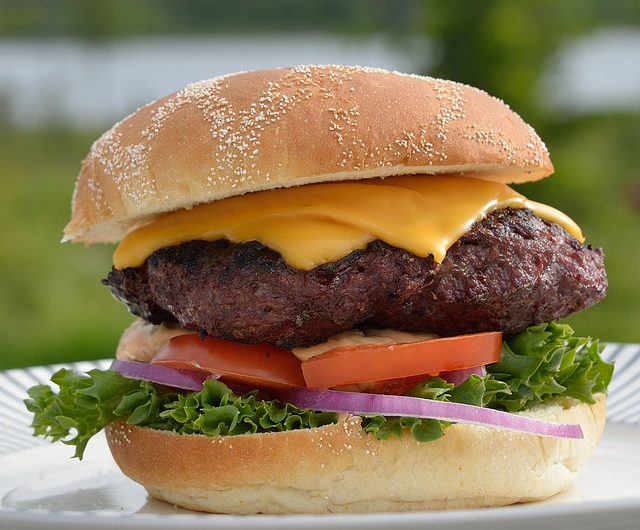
(540,364)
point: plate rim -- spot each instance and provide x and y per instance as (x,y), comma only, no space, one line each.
(615,511)
(621,509)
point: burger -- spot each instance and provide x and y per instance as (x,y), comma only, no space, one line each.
(342,305)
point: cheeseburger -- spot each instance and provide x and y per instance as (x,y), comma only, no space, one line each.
(342,305)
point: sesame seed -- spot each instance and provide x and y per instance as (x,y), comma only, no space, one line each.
(236,131)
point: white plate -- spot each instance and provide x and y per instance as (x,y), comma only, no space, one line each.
(41,487)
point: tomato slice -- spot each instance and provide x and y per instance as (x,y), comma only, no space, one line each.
(397,387)
(381,362)
(386,368)
(254,365)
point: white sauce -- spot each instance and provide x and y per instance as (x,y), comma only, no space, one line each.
(142,340)
(356,337)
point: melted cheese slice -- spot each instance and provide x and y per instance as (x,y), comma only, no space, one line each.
(321,223)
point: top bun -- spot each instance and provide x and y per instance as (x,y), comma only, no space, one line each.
(286,127)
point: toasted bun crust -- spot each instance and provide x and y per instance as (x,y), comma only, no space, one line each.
(288,127)
(339,468)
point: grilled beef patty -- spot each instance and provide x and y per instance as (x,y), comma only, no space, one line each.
(509,271)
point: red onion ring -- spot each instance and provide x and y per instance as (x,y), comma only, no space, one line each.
(162,375)
(458,377)
(386,405)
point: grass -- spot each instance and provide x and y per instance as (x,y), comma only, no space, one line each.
(53,308)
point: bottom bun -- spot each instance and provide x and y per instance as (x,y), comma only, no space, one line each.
(339,468)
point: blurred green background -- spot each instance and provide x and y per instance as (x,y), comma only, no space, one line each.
(545,58)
